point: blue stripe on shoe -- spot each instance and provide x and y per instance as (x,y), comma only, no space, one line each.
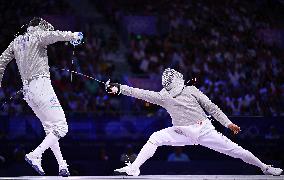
(64,173)
(34,166)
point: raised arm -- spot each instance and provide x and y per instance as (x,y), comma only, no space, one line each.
(5,58)
(50,37)
(210,107)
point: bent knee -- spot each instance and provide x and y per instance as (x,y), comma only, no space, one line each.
(64,131)
(156,139)
(61,131)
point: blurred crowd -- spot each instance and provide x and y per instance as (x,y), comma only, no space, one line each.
(93,58)
(215,42)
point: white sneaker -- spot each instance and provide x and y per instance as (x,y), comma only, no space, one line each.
(129,170)
(269,170)
(63,169)
(35,162)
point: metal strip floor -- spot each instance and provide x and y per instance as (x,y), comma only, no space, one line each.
(153,177)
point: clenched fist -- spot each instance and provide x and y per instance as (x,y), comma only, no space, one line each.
(236,129)
(112,88)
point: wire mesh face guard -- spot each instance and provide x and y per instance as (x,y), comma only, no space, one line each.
(168,76)
(43,24)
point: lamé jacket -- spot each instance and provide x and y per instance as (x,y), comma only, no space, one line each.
(185,109)
(30,52)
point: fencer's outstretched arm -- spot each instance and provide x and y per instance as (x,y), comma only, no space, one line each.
(146,95)
(5,58)
(211,108)
(49,37)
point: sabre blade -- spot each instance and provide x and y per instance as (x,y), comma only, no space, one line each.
(81,74)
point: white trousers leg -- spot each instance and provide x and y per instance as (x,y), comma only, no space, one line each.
(55,148)
(170,136)
(41,97)
(220,143)
(204,134)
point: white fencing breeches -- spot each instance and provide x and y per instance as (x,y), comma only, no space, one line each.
(203,134)
(40,96)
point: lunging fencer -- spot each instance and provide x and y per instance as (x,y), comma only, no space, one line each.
(30,52)
(191,126)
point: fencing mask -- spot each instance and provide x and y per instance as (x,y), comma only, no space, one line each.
(40,23)
(173,81)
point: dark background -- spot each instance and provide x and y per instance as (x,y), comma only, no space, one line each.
(233,48)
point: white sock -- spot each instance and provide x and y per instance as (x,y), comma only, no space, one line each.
(146,152)
(251,159)
(48,141)
(57,153)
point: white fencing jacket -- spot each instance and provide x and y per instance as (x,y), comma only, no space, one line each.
(184,109)
(30,52)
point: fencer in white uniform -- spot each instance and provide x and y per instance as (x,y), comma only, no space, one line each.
(30,52)
(191,126)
